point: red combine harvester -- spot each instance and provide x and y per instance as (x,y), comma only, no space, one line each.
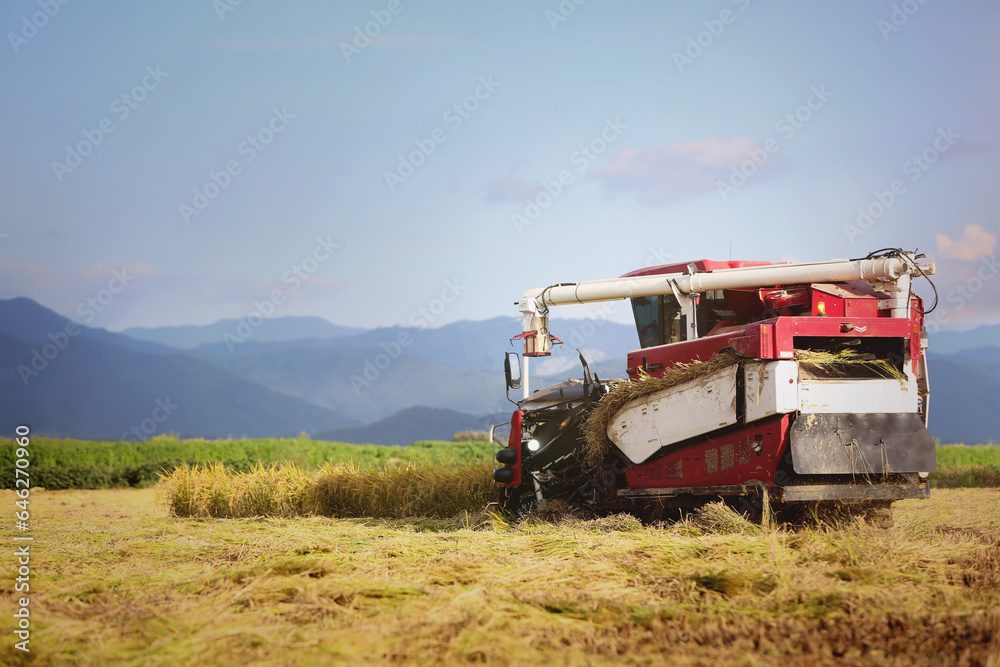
(807,382)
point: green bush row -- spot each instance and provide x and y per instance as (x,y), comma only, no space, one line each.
(962,455)
(81,464)
(308,454)
(966,476)
(103,477)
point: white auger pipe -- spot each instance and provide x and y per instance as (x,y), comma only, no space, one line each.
(536,301)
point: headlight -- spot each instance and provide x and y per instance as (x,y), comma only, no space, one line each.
(534,445)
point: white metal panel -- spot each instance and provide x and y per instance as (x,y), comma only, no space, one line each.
(772,387)
(671,415)
(858,395)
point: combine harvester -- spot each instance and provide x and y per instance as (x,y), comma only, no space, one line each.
(805,382)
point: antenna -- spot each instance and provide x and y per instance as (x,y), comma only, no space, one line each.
(730,251)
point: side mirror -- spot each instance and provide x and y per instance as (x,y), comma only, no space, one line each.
(513,382)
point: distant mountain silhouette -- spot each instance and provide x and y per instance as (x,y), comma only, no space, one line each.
(375,374)
(32,322)
(366,383)
(965,396)
(79,385)
(949,342)
(416,423)
(289,328)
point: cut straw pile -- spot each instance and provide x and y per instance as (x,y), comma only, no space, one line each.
(840,363)
(341,490)
(622,393)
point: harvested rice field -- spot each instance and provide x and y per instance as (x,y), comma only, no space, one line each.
(118,579)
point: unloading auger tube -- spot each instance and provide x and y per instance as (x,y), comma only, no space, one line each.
(891,274)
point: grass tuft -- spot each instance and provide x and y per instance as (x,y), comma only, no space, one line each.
(720,518)
(339,490)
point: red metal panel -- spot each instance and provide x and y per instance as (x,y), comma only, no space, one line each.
(878,327)
(746,303)
(748,345)
(916,324)
(860,308)
(723,460)
(858,298)
(833,306)
(514,442)
(701,265)
(655,360)
(770,344)
(794,298)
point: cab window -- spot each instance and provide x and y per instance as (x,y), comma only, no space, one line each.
(658,320)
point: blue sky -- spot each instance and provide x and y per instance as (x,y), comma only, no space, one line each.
(273,156)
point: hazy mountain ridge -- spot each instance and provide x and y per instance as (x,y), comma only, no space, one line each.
(94,389)
(431,423)
(278,329)
(33,323)
(950,342)
(69,380)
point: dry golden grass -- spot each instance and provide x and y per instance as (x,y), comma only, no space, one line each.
(117,580)
(339,490)
(842,362)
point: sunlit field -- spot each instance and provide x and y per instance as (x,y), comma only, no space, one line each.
(280,561)
(118,579)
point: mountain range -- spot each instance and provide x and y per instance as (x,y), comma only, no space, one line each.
(389,385)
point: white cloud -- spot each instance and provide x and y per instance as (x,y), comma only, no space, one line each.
(974,243)
(664,175)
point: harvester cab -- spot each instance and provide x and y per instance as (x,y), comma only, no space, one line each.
(806,382)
